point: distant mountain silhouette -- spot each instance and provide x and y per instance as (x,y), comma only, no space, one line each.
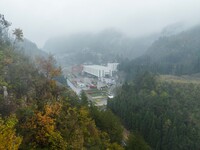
(108,45)
(176,54)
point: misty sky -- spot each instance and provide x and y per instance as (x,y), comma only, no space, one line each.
(43,19)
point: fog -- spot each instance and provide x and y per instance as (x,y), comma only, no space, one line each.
(43,19)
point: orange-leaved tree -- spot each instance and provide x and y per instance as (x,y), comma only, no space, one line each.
(47,66)
(42,129)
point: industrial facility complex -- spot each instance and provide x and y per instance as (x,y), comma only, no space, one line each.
(97,81)
(101,71)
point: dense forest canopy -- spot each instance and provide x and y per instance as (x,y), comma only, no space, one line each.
(165,113)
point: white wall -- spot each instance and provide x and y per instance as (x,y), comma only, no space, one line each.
(100,71)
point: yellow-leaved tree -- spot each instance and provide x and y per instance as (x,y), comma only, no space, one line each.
(8,138)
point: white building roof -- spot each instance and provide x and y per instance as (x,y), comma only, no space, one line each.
(98,67)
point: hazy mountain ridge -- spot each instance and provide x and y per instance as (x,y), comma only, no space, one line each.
(174,29)
(108,45)
(177,54)
(185,41)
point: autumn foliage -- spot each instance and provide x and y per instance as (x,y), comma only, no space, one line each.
(8,138)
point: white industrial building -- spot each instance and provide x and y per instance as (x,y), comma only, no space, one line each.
(113,66)
(100,71)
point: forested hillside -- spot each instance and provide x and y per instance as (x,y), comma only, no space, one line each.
(177,54)
(35,113)
(108,45)
(164,112)
(30,49)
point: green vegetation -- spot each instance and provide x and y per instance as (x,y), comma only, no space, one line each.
(136,142)
(108,122)
(166,114)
